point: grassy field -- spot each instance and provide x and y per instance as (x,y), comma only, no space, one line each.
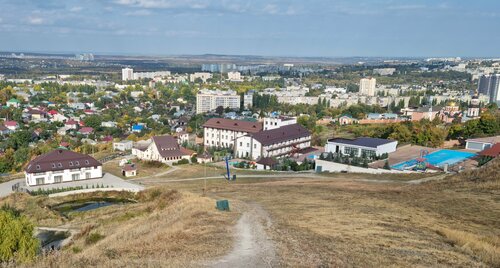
(164,228)
(142,169)
(336,220)
(342,222)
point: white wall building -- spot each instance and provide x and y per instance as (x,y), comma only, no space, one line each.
(222,133)
(367,86)
(163,149)
(123,146)
(202,76)
(61,166)
(127,74)
(361,146)
(209,100)
(278,121)
(279,142)
(234,76)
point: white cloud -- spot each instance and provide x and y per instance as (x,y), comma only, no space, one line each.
(406,7)
(36,20)
(141,12)
(75,9)
(146,3)
(271,9)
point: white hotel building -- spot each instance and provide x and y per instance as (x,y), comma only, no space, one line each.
(222,133)
(278,142)
(209,100)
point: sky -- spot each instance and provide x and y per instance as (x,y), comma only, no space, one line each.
(326,28)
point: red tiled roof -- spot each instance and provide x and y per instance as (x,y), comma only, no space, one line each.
(282,134)
(234,125)
(71,122)
(168,146)
(10,123)
(129,167)
(84,130)
(493,151)
(60,159)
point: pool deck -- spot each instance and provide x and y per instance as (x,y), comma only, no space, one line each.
(402,154)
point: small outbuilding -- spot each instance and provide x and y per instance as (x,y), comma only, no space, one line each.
(129,170)
(266,163)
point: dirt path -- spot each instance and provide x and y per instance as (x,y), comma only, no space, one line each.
(253,247)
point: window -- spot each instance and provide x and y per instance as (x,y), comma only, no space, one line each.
(368,153)
(248,144)
(71,163)
(40,181)
(255,146)
(87,175)
(87,162)
(53,165)
(241,143)
(351,151)
(58,179)
(37,167)
(75,177)
(59,165)
(77,163)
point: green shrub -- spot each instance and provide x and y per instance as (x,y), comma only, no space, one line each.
(93,238)
(17,241)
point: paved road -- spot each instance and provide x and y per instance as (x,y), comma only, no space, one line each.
(108,179)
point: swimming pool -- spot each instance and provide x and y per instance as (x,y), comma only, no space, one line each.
(438,159)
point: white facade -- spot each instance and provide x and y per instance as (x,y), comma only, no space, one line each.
(248,101)
(123,145)
(151,153)
(234,76)
(358,150)
(67,175)
(279,121)
(209,100)
(127,74)
(367,86)
(151,75)
(202,76)
(223,138)
(248,147)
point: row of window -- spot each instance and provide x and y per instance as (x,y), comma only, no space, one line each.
(59,165)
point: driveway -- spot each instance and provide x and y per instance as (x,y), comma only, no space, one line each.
(108,180)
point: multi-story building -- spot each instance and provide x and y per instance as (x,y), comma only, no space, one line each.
(384,71)
(490,85)
(222,133)
(367,86)
(202,76)
(248,100)
(61,165)
(209,100)
(278,121)
(151,75)
(127,74)
(234,76)
(278,142)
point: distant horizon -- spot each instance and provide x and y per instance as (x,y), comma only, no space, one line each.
(240,55)
(270,28)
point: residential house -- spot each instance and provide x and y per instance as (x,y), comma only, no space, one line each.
(60,166)
(163,149)
(11,125)
(347,120)
(124,145)
(13,103)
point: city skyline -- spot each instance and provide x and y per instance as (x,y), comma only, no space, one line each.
(382,28)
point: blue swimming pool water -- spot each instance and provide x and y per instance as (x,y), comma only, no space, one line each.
(438,159)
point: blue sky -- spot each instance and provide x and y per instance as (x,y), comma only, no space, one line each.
(254,27)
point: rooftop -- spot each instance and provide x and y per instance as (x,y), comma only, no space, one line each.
(234,125)
(362,141)
(282,134)
(60,159)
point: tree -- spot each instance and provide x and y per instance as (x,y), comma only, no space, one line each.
(18,241)
(386,165)
(93,121)
(219,110)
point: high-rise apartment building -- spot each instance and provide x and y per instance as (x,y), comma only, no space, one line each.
(490,85)
(367,86)
(209,100)
(127,74)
